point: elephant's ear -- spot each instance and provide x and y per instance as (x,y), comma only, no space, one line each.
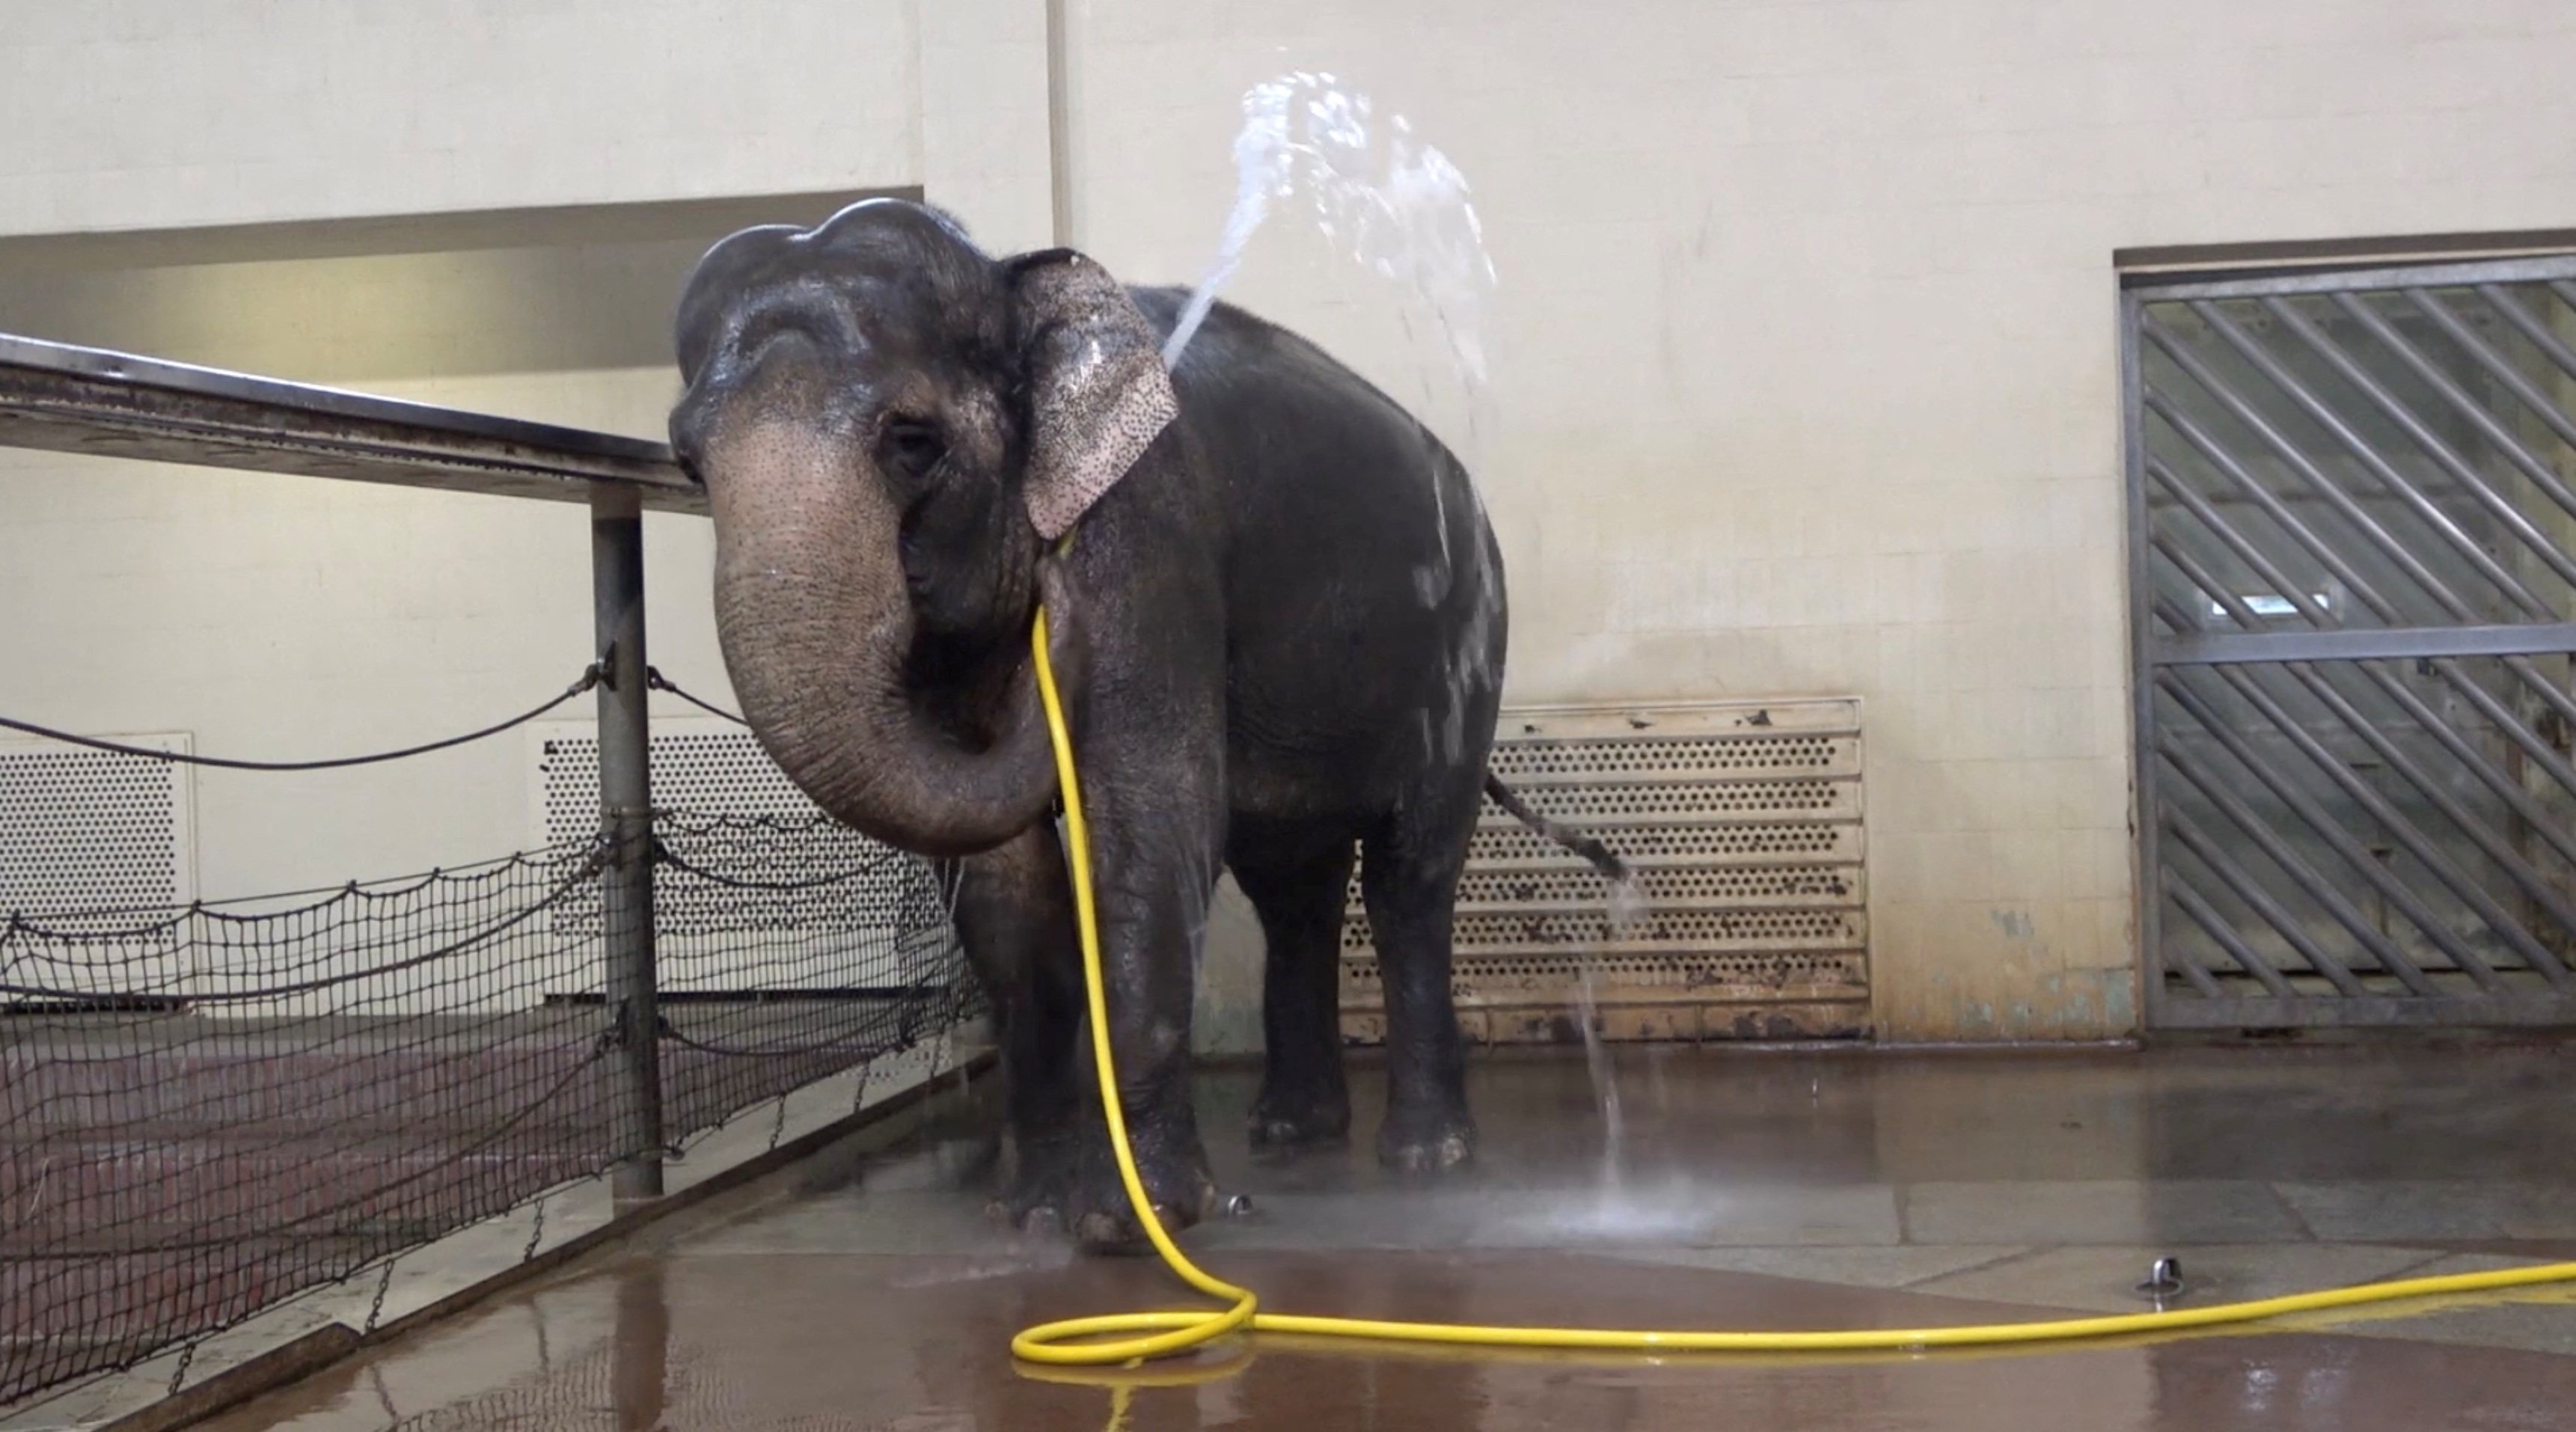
(1098,395)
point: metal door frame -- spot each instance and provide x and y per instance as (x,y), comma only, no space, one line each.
(2149,652)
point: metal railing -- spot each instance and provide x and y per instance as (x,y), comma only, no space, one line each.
(206,1109)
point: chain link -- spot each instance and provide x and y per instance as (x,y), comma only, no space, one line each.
(536,1233)
(376,1309)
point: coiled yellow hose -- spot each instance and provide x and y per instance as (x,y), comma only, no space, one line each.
(1114,1338)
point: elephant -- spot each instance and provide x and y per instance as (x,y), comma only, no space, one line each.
(1279,625)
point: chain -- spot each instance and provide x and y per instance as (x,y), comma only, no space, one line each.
(536,1234)
(590,677)
(654,679)
(663,853)
(859,1087)
(384,1285)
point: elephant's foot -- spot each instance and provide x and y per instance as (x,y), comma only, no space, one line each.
(1286,1120)
(1178,1184)
(1037,1184)
(1426,1141)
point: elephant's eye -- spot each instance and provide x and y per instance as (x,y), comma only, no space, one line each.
(913,445)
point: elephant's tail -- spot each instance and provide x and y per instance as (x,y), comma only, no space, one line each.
(1582,843)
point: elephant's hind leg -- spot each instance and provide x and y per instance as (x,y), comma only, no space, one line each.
(1298,879)
(1409,879)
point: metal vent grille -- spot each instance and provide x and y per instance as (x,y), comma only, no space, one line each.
(93,830)
(845,898)
(85,831)
(1742,825)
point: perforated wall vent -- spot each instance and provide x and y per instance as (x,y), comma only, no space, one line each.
(84,830)
(87,838)
(775,897)
(1742,824)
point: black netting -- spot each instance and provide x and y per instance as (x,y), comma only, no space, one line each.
(788,949)
(205,1110)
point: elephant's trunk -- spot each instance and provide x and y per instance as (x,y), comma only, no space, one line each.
(816,624)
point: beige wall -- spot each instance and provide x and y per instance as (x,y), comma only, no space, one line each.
(1804,347)
(142,114)
(277,617)
(1806,356)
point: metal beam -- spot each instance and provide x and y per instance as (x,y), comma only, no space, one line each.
(2396,644)
(2460,1011)
(63,398)
(2522,270)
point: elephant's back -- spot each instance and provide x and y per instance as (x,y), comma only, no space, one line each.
(1252,370)
(1364,588)
(1297,436)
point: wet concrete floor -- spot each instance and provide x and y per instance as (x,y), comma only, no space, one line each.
(864,1290)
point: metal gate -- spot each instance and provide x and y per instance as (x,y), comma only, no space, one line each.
(2353,534)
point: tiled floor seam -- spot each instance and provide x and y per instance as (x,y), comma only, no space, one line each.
(2028,1250)
(2290,1206)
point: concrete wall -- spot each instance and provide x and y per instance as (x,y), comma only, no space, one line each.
(1804,351)
(264,186)
(1805,355)
(142,114)
(280,618)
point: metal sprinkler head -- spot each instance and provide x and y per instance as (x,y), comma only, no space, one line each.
(1238,1205)
(2164,1279)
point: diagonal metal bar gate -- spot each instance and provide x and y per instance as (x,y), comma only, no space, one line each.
(2353,538)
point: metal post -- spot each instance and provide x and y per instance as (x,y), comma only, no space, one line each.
(626,818)
(1059,127)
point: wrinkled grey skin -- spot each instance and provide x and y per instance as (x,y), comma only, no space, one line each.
(1280,637)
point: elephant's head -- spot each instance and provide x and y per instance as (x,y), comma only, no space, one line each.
(891,426)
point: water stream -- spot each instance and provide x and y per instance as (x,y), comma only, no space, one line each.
(1627,914)
(1382,198)
(1605,1079)
(1379,196)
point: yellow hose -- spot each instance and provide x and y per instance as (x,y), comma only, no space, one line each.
(1112,1338)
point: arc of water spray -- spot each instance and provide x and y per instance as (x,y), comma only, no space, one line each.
(1393,204)
(1400,209)
(1396,205)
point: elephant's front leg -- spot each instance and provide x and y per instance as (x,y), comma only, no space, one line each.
(1015,919)
(1155,830)
(1138,603)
